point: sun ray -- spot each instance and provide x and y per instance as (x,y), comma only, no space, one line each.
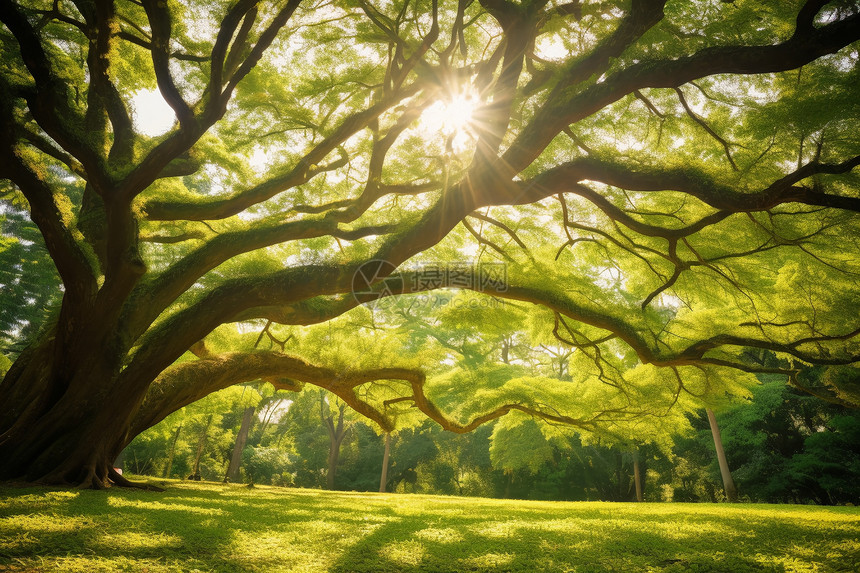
(452,117)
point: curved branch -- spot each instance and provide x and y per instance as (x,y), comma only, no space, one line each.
(46,147)
(192,126)
(727,199)
(101,20)
(161,24)
(187,382)
(706,127)
(806,45)
(217,107)
(176,55)
(699,349)
(156,294)
(644,15)
(502,226)
(70,259)
(485,187)
(48,101)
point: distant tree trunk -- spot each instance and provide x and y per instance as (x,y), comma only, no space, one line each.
(242,438)
(383,481)
(172,451)
(637,477)
(336,434)
(506,348)
(201,443)
(728,482)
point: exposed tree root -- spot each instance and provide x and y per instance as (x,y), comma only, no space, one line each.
(120,481)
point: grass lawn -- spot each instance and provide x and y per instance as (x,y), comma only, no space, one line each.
(215,527)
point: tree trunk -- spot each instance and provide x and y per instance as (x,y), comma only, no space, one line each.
(169,467)
(637,477)
(728,482)
(200,445)
(336,433)
(383,481)
(64,419)
(236,459)
(333,455)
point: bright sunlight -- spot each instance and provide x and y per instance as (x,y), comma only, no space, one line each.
(152,115)
(453,118)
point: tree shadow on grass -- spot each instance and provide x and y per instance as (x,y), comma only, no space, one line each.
(231,528)
(413,546)
(224,530)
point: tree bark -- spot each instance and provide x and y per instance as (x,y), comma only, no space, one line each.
(637,477)
(236,459)
(73,429)
(383,480)
(728,482)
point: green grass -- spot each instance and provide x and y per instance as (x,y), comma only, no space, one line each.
(214,527)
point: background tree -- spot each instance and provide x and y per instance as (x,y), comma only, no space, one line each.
(383,476)
(725,472)
(673,179)
(197,438)
(791,447)
(332,418)
(239,446)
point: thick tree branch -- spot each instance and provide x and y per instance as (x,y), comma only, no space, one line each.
(72,263)
(48,148)
(214,105)
(216,108)
(689,181)
(100,17)
(492,120)
(176,55)
(644,15)
(161,24)
(697,350)
(187,382)
(158,292)
(806,45)
(48,101)
(231,299)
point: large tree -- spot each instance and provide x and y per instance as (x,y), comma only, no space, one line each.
(672,180)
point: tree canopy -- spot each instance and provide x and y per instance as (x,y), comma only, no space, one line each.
(657,186)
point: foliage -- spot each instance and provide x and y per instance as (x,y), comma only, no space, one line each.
(214,420)
(28,281)
(785,446)
(267,465)
(782,445)
(213,527)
